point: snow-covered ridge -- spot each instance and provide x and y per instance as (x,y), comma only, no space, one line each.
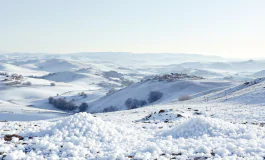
(171,90)
(66,76)
(174,77)
(251,92)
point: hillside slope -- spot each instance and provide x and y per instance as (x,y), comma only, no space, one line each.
(10,68)
(252,92)
(171,91)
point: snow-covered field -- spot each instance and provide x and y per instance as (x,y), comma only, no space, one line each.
(175,131)
(222,117)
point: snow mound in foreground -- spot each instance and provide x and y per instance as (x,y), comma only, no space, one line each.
(87,126)
(200,126)
(83,135)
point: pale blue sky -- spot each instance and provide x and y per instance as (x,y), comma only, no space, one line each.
(229,28)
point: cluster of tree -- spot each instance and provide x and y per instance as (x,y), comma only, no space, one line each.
(134,103)
(110,109)
(83,107)
(12,77)
(153,96)
(126,82)
(47,75)
(113,90)
(253,82)
(52,84)
(175,76)
(43,76)
(3,73)
(16,76)
(83,94)
(62,104)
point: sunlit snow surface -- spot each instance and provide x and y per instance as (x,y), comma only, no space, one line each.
(86,136)
(224,120)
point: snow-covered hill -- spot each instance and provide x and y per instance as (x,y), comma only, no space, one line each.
(250,65)
(58,65)
(170,90)
(238,71)
(251,92)
(187,117)
(66,76)
(10,68)
(259,74)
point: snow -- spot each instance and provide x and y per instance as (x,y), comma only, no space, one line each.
(57,65)
(9,68)
(64,76)
(197,127)
(223,120)
(86,136)
(251,92)
(259,74)
(170,90)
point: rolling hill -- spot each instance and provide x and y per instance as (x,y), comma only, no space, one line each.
(170,90)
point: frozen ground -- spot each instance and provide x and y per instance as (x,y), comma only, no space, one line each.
(178,131)
(207,127)
(223,120)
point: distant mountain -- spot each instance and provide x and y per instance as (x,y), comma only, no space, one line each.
(147,58)
(222,68)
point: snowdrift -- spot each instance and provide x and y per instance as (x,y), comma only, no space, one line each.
(83,136)
(200,126)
